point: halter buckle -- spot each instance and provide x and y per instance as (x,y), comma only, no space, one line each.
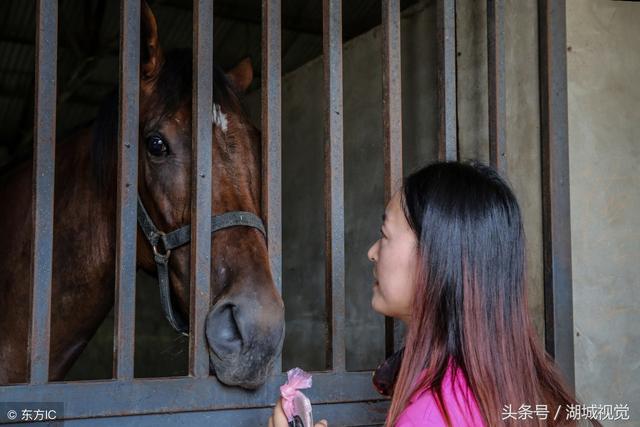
(156,252)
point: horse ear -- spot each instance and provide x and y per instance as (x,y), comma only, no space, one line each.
(150,52)
(241,75)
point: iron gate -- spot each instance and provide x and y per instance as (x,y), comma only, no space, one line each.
(345,398)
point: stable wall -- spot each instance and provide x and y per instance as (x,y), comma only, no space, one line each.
(302,159)
(604,126)
(603,64)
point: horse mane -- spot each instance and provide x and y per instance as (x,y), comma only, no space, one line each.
(172,89)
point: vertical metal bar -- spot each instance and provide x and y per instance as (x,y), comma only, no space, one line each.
(447,125)
(558,297)
(201,203)
(392,126)
(496,73)
(334,180)
(125,301)
(42,196)
(272,137)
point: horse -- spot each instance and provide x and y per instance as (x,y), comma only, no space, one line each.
(245,323)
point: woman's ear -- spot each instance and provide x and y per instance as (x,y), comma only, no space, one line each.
(151,57)
(241,75)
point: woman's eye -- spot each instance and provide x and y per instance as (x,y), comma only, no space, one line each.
(156,146)
(382,234)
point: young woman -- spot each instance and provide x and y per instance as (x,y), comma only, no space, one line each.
(450,264)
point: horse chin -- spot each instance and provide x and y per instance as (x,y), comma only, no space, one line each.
(249,373)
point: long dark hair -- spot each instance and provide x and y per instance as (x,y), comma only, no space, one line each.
(470,305)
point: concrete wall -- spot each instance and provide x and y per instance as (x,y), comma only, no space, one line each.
(603,62)
(604,128)
(523,123)
(303,221)
(303,217)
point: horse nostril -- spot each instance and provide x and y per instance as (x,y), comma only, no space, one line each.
(222,331)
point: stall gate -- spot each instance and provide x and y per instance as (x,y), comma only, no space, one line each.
(345,398)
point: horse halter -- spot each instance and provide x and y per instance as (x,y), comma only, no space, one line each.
(177,238)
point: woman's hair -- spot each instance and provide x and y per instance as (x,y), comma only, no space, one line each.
(470,304)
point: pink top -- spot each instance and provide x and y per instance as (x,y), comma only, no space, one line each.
(458,398)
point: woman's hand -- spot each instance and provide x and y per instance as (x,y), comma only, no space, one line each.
(279,419)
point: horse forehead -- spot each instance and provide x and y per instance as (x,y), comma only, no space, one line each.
(182,117)
(220,118)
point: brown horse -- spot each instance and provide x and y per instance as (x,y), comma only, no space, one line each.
(245,324)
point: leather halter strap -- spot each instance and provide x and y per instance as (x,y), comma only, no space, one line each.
(162,244)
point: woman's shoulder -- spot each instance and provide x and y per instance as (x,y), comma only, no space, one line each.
(458,398)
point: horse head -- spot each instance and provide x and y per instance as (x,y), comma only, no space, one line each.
(245,323)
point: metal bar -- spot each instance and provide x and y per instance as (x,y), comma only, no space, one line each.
(201,203)
(272,138)
(497,91)
(447,103)
(125,298)
(334,181)
(392,127)
(341,414)
(183,394)
(42,196)
(558,297)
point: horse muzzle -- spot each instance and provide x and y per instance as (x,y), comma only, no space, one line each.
(244,338)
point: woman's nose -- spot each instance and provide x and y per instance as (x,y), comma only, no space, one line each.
(372,252)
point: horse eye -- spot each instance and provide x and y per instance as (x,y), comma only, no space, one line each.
(156,146)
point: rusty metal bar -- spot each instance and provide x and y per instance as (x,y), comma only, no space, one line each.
(272,137)
(334,181)
(447,102)
(392,127)
(556,215)
(340,414)
(125,297)
(497,91)
(42,196)
(201,203)
(87,399)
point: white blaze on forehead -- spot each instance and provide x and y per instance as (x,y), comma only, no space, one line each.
(219,118)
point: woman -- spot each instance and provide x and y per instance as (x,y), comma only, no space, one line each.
(450,264)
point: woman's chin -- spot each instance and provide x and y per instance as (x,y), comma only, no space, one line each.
(375,304)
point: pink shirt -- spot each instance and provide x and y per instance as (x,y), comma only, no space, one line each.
(459,400)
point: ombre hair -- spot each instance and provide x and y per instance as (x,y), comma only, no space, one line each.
(470,304)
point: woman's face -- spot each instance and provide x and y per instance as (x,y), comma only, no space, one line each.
(394,258)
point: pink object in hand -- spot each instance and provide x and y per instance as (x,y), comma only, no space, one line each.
(296,379)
